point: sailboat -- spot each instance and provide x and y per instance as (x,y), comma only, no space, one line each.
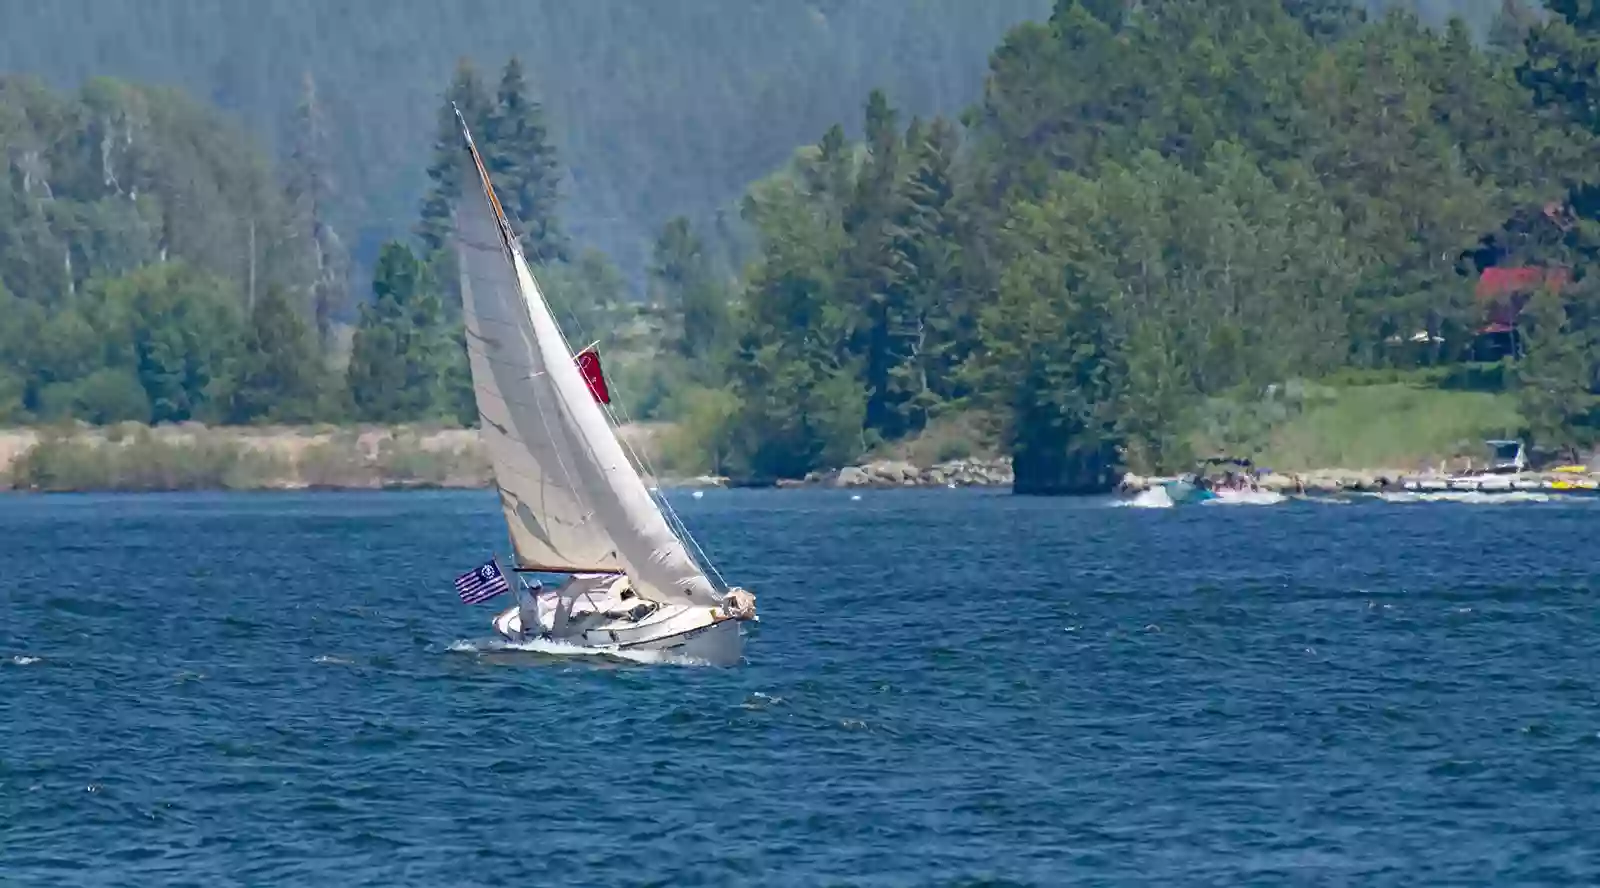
(626,576)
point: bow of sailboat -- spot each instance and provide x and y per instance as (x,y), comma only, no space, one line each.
(573,498)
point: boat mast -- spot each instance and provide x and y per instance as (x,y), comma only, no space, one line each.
(610,489)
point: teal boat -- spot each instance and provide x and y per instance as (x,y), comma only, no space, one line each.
(1186,492)
(1193,489)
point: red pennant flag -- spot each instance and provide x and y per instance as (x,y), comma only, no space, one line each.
(589,365)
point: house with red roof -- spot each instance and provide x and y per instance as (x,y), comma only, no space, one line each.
(1503,294)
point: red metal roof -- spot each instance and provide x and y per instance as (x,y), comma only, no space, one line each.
(1506,290)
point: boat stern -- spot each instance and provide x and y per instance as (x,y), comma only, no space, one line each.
(509,623)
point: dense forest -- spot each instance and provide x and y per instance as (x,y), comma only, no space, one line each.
(658,109)
(1160,202)
(1150,207)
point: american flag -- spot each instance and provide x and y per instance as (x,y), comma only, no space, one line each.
(481,583)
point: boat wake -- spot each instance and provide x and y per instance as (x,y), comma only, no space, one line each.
(1246,498)
(555,651)
(1158,498)
(1154,498)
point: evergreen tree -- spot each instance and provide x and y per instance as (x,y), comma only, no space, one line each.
(931,317)
(1556,377)
(522,159)
(874,263)
(797,393)
(400,352)
(1562,68)
(449,168)
(1327,21)
(280,376)
(312,195)
(693,303)
(1509,30)
(1110,12)
(1054,360)
(1560,332)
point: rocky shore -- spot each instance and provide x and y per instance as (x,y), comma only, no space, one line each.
(893,473)
(884,474)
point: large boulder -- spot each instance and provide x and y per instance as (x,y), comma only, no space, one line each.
(892,473)
(852,476)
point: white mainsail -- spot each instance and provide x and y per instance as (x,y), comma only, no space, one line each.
(572,500)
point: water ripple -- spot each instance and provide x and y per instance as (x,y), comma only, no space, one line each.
(948,688)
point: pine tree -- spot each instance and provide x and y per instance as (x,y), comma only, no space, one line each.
(874,264)
(1111,12)
(794,382)
(830,176)
(1556,376)
(1561,65)
(1327,21)
(280,376)
(311,193)
(695,306)
(400,352)
(449,168)
(1054,357)
(935,325)
(523,161)
(450,175)
(1509,30)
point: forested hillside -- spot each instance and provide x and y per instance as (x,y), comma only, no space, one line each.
(156,267)
(1157,207)
(137,230)
(659,108)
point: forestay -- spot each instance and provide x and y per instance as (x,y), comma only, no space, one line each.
(572,500)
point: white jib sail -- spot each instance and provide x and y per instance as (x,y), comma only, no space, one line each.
(572,500)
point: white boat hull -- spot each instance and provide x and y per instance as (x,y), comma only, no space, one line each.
(697,633)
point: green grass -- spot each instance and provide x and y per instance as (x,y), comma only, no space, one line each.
(141,462)
(134,457)
(962,435)
(1385,425)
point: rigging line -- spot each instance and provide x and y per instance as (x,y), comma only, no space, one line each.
(617,413)
(544,418)
(640,460)
(671,514)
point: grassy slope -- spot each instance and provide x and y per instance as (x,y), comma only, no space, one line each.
(1394,425)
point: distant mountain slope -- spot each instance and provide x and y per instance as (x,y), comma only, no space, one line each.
(660,107)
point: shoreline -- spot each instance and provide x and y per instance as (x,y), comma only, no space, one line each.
(189,457)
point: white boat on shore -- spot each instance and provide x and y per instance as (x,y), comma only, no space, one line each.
(625,572)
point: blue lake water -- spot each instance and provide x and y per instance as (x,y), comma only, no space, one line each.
(948,688)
